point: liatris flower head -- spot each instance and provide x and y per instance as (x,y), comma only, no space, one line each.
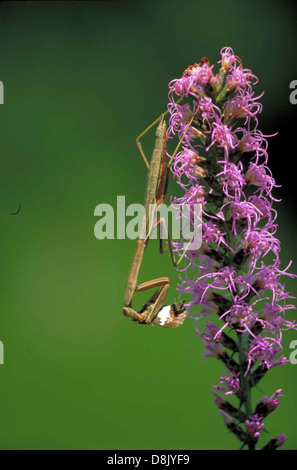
(254,427)
(268,404)
(235,279)
(275,443)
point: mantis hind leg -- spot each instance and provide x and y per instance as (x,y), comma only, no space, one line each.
(138,143)
(162,223)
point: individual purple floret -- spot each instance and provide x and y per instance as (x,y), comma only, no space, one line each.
(235,279)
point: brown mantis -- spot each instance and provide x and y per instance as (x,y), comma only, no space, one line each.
(157,184)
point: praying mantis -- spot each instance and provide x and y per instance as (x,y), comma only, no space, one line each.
(169,316)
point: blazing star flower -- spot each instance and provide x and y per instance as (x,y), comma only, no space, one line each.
(254,426)
(268,404)
(276,442)
(222,164)
(231,384)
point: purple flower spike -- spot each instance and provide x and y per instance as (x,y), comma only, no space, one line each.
(237,285)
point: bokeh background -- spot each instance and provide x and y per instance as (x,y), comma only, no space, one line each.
(82,80)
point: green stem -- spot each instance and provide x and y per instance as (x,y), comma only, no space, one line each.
(245,379)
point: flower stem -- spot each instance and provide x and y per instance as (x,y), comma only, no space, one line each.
(245,380)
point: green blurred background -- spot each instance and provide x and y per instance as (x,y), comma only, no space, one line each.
(82,80)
